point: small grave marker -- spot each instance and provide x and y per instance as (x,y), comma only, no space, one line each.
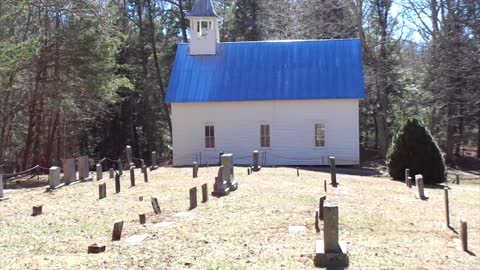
(409,182)
(248,171)
(2,198)
(111,173)
(120,167)
(37,210)
(320,206)
(140,198)
(464,235)
(256,161)
(95,249)
(298,173)
(154,161)
(156,207)
(99,170)
(128,151)
(420,188)
(407,174)
(333,172)
(102,191)
(195,169)
(142,218)
(204,193)
(317,228)
(457,179)
(117,231)
(145,174)
(117,182)
(132,176)
(193,198)
(325,185)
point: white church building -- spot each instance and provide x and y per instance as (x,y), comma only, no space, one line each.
(296,102)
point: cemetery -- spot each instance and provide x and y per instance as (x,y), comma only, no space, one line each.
(233,217)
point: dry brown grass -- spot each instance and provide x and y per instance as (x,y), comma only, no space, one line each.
(385,226)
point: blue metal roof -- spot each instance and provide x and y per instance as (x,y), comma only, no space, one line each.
(272,70)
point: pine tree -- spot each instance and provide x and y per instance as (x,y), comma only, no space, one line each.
(414,148)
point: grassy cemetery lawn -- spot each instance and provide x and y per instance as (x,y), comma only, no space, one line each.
(385,226)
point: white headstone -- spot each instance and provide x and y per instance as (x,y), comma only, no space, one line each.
(54,177)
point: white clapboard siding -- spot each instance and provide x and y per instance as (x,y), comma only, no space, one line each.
(292,136)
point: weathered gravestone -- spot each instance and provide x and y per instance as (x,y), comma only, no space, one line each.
(142,218)
(69,173)
(1,189)
(204,193)
(330,252)
(156,207)
(145,174)
(195,169)
(102,191)
(117,231)
(37,210)
(111,173)
(95,249)
(154,161)
(54,177)
(83,169)
(132,176)
(99,170)
(407,174)
(120,167)
(128,151)
(117,183)
(228,173)
(420,194)
(221,187)
(333,172)
(256,161)
(193,198)
(320,206)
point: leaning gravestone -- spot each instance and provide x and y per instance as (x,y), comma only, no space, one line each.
(193,198)
(330,252)
(228,173)
(54,177)
(256,161)
(69,173)
(221,187)
(128,150)
(83,170)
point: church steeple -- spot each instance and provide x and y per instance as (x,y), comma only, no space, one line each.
(204,34)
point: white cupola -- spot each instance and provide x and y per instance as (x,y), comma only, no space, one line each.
(204,34)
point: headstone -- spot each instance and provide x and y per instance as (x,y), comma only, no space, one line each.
(298,172)
(154,161)
(317,228)
(156,207)
(330,252)
(111,173)
(142,218)
(83,169)
(228,173)
(37,210)
(54,177)
(248,171)
(420,188)
(128,151)
(120,167)
(136,239)
(221,187)
(457,179)
(144,168)
(409,182)
(325,185)
(333,172)
(117,231)
(117,183)
(204,193)
(140,198)
(320,206)
(142,163)
(95,249)
(99,170)
(447,210)
(195,169)
(69,173)
(102,191)
(145,174)
(256,161)
(464,235)
(193,198)
(132,176)
(407,174)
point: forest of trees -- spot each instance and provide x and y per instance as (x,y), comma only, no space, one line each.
(90,76)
